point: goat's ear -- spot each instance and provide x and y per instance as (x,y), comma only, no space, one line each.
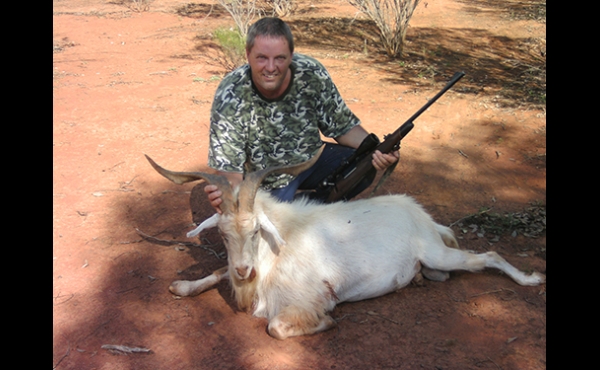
(270,233)
(208,223)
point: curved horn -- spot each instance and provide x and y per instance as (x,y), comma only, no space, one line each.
(184,177)
(250,185)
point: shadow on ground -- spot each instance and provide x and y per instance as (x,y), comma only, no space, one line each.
(512,71)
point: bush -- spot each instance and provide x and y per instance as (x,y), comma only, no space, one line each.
(233,46)
(242,12)
(391,17)
(281,8)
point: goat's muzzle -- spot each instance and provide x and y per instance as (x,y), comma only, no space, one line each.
(243,275)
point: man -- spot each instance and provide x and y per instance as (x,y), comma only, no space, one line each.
(271,112)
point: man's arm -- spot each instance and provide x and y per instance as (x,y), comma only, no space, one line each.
(355,137)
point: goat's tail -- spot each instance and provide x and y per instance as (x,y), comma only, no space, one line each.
(447,236)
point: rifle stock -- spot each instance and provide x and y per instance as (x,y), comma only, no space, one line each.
(351,172)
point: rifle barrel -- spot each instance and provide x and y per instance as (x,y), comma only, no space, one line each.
(362,166)
(388,145)
(457,76)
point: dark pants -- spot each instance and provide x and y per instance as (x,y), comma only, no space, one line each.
(332,157)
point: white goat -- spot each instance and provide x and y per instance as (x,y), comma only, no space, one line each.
(293,262)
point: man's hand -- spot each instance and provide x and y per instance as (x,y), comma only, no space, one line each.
(214,197)
(355,137)
(382,161)
(213,192)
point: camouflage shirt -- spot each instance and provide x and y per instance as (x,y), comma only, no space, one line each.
(249,132)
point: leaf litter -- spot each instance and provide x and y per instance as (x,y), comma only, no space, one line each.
(530,223)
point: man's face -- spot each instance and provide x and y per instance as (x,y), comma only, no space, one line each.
(270,59)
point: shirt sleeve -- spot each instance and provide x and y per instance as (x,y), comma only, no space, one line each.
(336,117)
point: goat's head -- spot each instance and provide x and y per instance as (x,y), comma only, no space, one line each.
(240,226)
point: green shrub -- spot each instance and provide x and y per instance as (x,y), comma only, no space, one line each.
(233,46)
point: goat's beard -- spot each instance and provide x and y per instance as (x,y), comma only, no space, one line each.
(245,290)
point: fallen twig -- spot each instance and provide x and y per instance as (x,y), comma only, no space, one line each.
(124,184)
(110,168)
(63,357)
(373,313)
(163,241)
(210,11)
(66,300)
(153,239)
(127,290)
(341,318)
(471,215)
(494,363)
(119,349)
(493,291)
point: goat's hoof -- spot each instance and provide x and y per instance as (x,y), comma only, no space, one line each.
(279,331)
(538,277)
(181,288)
(435,275)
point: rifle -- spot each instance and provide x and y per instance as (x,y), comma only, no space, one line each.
(359,165)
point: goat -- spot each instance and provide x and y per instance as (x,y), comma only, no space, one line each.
(293,262)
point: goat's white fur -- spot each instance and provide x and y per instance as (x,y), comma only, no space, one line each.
(308,257)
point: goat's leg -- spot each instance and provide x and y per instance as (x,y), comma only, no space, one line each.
(293,321)
(435,275)
(188,288)
(431,274)
(447,259)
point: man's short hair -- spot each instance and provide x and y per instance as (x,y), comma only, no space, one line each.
(270,27)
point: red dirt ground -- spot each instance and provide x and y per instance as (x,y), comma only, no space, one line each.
(127,83)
